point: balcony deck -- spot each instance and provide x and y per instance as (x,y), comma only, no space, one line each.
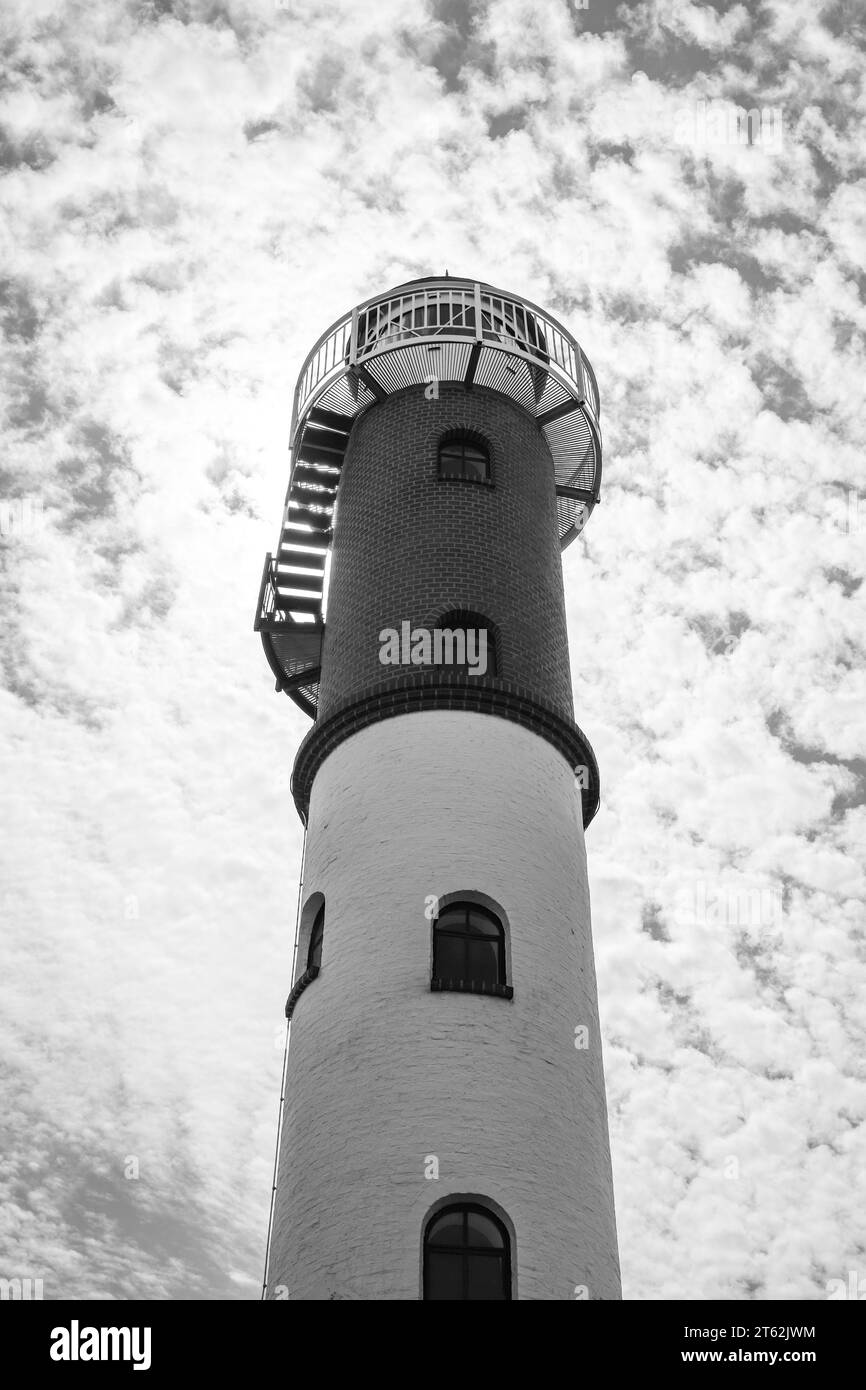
(449,330)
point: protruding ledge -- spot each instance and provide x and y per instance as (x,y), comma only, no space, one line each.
(307,978)
(426,690)
(442,986)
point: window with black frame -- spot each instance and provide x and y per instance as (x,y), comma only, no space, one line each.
(464,457)
(469,951)
(314,951)
(467,1256)
(466,644)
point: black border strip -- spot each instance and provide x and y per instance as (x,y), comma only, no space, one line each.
(428,690)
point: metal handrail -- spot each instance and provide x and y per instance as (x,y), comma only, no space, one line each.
(267,610)
(447,310)
(264,607)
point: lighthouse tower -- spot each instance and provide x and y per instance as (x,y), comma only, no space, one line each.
(444,1127)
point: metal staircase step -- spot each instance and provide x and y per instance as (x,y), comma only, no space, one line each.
(295,604)
(309,584)
(330,419)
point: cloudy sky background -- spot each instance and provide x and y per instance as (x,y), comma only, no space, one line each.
(191,192)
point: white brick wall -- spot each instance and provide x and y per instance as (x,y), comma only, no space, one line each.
(382,1072)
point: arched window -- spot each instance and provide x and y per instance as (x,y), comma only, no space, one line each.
(469,951)
(466,644)
(464,456)
(313,962)
(314,953)
(467,1255)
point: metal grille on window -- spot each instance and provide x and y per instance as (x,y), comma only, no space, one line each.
(464,458)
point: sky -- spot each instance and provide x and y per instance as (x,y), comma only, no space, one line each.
(191,192)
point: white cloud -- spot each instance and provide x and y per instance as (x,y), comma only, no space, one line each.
(190,199)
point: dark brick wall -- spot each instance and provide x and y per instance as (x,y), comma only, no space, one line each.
(409,546)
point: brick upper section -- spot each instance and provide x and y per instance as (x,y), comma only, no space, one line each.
(409,546)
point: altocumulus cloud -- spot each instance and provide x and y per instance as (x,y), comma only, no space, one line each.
(192,191)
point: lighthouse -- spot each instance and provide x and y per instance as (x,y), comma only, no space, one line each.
(444,1129)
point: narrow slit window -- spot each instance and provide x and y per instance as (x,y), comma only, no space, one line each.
(314,952)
